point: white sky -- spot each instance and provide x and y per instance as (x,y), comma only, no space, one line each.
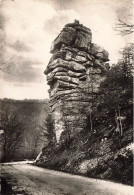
(30,26)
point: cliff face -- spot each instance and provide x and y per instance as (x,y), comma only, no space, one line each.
(74,73)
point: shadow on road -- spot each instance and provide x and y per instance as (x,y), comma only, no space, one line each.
(5,188)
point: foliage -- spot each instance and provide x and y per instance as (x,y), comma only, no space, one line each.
(116,99)
(48,130)
(30,114)
(117,88)
(13,130)
(122,167)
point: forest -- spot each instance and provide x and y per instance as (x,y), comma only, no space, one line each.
(22,122)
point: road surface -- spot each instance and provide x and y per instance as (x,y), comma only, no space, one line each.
(31,180)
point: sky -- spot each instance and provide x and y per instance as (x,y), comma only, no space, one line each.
(28,27)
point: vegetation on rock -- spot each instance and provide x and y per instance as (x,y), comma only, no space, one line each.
(101,149)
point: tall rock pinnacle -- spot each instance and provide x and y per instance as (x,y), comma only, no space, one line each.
(74,73)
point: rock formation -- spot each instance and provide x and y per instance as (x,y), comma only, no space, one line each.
(74,73)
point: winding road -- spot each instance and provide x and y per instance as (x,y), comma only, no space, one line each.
(27,179)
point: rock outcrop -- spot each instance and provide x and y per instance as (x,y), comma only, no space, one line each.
(74,73)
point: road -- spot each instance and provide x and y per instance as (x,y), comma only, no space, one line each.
(28,179)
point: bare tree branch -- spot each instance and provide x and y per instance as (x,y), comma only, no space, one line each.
(124,28)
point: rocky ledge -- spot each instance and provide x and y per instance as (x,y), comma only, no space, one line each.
(74,73)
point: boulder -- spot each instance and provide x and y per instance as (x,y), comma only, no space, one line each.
(65,37)
(99,52)
(82,40)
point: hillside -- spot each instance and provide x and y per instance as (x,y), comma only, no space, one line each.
(31,115)
(102,153)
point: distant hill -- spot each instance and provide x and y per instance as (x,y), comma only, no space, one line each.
(32,115)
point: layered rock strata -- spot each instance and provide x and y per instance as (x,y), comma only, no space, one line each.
(74,73)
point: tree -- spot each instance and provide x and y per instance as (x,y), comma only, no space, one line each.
(13,130)
(117,88)
(33,140)
(127,56)
(48,130)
